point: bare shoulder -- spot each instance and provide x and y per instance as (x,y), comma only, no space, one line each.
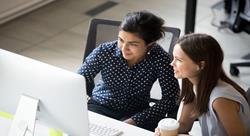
(224,104)
(228,113)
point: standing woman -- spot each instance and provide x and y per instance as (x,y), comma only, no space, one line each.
(129,67)
(207,93)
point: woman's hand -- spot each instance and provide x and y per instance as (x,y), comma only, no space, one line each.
(157,132)
(130,121)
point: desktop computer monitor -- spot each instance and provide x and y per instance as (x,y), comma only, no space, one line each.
(62,94)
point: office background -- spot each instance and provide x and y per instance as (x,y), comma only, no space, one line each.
(56,33)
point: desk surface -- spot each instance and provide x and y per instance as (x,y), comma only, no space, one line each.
(128,130)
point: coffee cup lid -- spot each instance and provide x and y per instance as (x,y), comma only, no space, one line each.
(168,124)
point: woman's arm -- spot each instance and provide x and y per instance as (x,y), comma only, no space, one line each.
(186,119)
(228,114)
(91,67)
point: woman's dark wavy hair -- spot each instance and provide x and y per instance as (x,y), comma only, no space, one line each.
(148,26)
(203,47)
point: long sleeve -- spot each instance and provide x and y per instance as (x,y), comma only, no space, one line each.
(91,67)
(127,89)
(170,92)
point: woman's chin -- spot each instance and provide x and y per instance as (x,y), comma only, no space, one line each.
(127,57)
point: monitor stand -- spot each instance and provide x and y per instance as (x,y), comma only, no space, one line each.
(24,120)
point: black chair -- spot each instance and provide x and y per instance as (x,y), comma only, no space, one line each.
(238,20)
(248,95)
(101,30)
(233,66)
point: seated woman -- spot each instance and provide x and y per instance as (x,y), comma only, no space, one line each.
(129,66)
(207,93)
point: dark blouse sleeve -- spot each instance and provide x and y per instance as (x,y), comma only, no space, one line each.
(169,89)
(92,66)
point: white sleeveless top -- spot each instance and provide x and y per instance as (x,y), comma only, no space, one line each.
(210,125)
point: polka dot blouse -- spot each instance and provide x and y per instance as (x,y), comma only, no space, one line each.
(124,88)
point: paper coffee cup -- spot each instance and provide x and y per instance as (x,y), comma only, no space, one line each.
(168,127)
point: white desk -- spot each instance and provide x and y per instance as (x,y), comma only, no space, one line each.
(128,130)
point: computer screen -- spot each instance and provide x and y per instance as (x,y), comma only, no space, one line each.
(62,95)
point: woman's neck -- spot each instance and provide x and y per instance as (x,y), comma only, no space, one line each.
(194,81)
(131,63)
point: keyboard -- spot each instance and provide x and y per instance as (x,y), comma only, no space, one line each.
(98,130)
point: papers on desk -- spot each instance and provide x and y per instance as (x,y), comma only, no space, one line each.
(40,130)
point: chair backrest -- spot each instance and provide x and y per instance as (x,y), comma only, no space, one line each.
(248,95)
(102,30)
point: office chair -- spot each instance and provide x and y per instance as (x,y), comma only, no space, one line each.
(101,30)
(239,19)
(248,96)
